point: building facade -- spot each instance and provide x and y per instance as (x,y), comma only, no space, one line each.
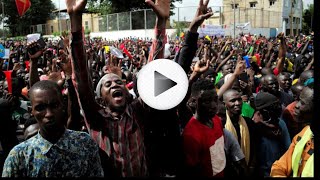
(264,14)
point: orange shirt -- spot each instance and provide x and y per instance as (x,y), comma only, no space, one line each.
(283,166)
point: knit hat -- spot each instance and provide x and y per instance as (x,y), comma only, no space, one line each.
(264,99)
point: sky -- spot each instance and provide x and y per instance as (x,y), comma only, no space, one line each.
(183,4)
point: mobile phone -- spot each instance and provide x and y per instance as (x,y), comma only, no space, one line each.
(41,44)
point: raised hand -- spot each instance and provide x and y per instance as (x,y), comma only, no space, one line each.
(66,41)
(280,36)
(203,12)
(161,8)
(74,9)
(16,66)
(241,65)
(201,66)
(65,65)
(74,6)
(36,55)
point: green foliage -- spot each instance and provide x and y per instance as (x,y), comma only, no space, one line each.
(38,13)
(307,16)
(87,31)
(57,33)
(19,38)
(180,27)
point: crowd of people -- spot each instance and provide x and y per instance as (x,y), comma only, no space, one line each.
(72,109)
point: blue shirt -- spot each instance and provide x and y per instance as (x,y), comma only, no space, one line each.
(74,155)
(272,149)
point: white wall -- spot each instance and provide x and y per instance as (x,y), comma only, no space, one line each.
(115,35)
(149,33)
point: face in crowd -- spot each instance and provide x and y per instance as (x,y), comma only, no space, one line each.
(113,91)
(303,110)
(233,102)
(270,84)
(285,81)
(47,106)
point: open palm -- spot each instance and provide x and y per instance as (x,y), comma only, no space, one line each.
(160,7)
(74,6)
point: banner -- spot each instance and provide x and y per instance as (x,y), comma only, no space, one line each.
(211,30)
(242,27)
(6,54)
(23,6)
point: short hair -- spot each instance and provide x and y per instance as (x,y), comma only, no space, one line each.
(202,85)
(45,85)
(305,75)
(227,93)
(284,74)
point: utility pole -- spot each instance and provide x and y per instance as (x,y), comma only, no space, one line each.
(291,19)
(234,19)
(60,28)
(4,33)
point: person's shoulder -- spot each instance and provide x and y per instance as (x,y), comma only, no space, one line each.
(191,127)
(82,139)
(298,136)
(24,146)
(78,134)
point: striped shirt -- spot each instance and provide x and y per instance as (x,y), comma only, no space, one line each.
(120,138)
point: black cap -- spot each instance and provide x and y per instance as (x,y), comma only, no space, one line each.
(264,99)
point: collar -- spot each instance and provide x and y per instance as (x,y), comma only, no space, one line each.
(107,113)
(45,145)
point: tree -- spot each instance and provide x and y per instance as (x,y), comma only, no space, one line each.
(39,12)
(115,6)
(307,25)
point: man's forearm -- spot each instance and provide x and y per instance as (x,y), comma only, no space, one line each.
(158,43)
(80,75)
(34,77)
(188,51)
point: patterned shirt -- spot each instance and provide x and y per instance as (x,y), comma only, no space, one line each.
(74,155)
(120,138)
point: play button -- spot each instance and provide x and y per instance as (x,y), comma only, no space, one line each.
(162,84)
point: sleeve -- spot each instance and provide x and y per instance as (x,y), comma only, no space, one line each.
(82,80)
(95,167)
(188,51)
(11,164)
(233,146)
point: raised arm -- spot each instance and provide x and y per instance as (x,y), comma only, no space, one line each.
(225,60)
(80,73)
(228,84)
(162,10)
(34,77)
(189,47)
(282,53)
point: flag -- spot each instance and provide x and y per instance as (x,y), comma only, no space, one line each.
(208,38)
(107,49)
(124,49)
(23,6)
(9,80)
(182,35)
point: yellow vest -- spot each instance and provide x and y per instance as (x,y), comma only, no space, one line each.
(296,156)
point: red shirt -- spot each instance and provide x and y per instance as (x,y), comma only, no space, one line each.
(204,148)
